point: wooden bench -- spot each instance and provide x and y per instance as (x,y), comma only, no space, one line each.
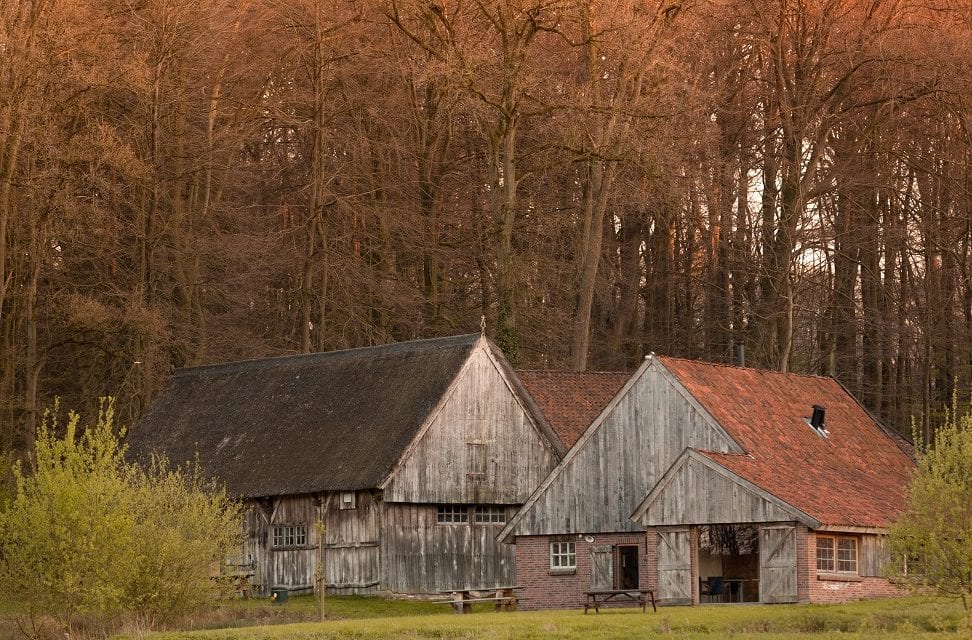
(462,600)
(620,598)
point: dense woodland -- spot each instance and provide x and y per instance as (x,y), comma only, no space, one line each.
(195,181)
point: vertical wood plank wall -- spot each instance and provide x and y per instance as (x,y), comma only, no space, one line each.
(598,489)
(351,542)
(293,567)
(699,495)
(481,411)
(352,560)
(421,556)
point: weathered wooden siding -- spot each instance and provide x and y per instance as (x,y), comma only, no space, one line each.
(292,567)
(481,427)
(675,576)
(352,560)
(421,556)
(777,563)
(351,542)
(875,555)
(608,473)
(697,494)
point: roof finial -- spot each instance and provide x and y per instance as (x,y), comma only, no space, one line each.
(482,324)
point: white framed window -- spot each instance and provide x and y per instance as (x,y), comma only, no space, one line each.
(563,555)
(847,555)
(348,500)
(489,515)
(289,535)
(837,554)
(451,513)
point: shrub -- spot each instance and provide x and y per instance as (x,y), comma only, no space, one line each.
(89,538)
(931,544)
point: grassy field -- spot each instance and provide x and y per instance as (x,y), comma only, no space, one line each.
(373,618)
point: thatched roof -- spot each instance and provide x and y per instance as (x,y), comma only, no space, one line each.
(301,424)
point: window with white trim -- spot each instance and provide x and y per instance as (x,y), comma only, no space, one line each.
(837,554)
(348,500)
(451,513)
(489,515)
(289,535)
(563,555)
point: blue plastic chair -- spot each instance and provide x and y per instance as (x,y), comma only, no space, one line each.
(713,587)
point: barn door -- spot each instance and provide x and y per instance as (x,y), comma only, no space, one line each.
(777,564)
(602,567)
(675,566)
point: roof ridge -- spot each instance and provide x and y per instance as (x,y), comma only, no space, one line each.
(463,339)
(729,365)
(568,372)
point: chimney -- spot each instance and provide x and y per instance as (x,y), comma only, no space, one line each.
(740,354)
(817,418)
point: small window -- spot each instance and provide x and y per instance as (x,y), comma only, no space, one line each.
(289,535)
(489,515)
(837,554)
(348,500)
(563,555)
(847,555)
(451,514)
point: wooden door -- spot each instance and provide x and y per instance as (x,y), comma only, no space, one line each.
(675,566)
(777,564)
(602,567)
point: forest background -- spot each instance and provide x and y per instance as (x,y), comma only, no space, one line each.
(194,181)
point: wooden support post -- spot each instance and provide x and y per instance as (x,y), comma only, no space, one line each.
(319,577)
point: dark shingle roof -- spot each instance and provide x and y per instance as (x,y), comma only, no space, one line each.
(857,475)
(570,400)
(324,421)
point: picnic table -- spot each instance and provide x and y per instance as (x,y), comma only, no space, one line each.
(462,600)
(620,597)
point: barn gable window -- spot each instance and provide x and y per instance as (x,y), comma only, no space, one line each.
(489,515)
(563,555)
(289,535)
(451,514)
(837,554)
(476,461)
(348,500)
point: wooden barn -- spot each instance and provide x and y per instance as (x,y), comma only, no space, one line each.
(708,482)
(413,456)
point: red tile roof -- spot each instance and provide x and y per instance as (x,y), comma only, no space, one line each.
(571,400)
(856,476)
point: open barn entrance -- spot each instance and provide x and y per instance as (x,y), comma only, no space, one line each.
(728,563)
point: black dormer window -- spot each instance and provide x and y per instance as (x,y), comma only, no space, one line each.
(817,419)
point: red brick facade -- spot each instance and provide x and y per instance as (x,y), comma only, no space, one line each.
(546,588)
(823,587)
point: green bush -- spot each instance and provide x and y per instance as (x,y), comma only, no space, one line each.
(89,539)
(931,544)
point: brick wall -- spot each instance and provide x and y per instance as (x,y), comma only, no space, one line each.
(547,589)
(804,563)
(822,587)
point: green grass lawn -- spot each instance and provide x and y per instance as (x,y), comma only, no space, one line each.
(359,618)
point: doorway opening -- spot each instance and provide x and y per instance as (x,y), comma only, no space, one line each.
(728,563)
(627,571)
